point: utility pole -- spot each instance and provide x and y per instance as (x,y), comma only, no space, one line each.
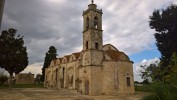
(2,2)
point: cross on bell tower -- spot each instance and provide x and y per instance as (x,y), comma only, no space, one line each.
(92,1)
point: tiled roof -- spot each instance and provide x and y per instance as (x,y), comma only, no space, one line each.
(77,55)
(67,57)
(115,55)
(55,61)
(110,46)
(59,59)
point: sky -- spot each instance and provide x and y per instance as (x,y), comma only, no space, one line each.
(45,23)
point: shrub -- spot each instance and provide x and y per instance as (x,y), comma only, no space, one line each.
(3,79)
(163,92)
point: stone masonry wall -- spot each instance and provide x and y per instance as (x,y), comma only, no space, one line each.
(125,70)
(110,83)
(96,80)
(24,78)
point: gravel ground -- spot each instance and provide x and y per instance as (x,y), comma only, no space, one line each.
(48,94)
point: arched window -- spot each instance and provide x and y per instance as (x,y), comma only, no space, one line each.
(128,81)
(63,78)
(87,23)
(71,79)
(46,78)
(86,44)
(63,72)
(96,22)
(56,75)
(96,45)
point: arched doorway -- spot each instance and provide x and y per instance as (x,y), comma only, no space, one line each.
(70,78)
(87,87)
(63,77)
(56,77)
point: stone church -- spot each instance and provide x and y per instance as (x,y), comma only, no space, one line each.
(96,70)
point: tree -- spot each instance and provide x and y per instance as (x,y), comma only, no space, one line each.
(50,55)
(136,82)
(172,77)
(37,79)
(145,82)
(151,73)
(164,22)
(13,53)
(3,77)
(166,91)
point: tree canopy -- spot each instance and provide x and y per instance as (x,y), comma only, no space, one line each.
(173,74)
(13,53)
(165,24)
(151,73)
(50,55)
(3,77)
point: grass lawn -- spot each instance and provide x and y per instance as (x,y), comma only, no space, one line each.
(160,92)
(145,88)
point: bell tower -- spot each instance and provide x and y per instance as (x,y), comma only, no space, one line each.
(92,35)
(92,28)
(92,57)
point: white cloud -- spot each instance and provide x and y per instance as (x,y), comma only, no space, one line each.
(10,21)
(56,1)
(33,68)
(59,22)
(127,23)
(44,23)
(3,72)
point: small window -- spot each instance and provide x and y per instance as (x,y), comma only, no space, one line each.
(96,45)
(87,23)
(128,81)
(96,22)
(87,45)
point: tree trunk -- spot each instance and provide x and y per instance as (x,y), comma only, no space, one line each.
(10,82)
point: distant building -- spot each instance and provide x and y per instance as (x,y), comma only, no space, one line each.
(24,78)
(1,10)
(97,69)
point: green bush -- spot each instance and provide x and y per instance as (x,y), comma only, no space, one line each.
(150,97)
(28,85)
(145,88)
(3,79)
(163,92)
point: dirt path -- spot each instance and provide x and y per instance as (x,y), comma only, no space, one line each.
(46,94)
